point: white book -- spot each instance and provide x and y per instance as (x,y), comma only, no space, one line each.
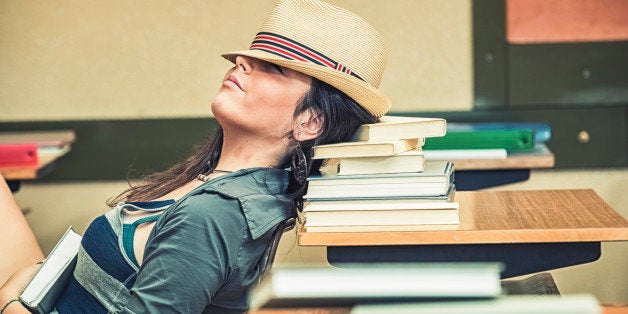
(507,304)
(380,228)
(435,171)
(443,216)
(435,180)
(399,127)
(366,148)
(42,291)
(376,205)
(409,161)
(456,154)
(311,286)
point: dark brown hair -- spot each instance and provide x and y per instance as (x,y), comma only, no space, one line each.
(341,115)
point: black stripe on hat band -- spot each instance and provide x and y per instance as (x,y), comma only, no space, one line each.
(292,50)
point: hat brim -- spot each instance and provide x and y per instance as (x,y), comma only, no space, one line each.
(369,97)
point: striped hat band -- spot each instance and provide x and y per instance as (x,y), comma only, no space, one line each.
(293,50)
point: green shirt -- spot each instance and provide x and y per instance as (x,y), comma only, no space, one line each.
(203,253)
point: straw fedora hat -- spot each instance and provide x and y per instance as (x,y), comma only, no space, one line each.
(328,43)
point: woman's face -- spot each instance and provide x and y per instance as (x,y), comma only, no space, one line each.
(259,97)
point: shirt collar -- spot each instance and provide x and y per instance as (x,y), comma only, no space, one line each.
(262,193)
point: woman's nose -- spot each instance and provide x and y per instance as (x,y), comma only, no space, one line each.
(244,63)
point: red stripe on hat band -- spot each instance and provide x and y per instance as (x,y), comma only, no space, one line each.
(294,46)
(293,50)
(283,52)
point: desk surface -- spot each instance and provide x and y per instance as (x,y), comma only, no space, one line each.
(543,216)
(53,145)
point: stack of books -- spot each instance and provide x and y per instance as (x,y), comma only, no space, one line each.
(380,181)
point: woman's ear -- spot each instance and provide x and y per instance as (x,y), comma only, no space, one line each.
(309,126)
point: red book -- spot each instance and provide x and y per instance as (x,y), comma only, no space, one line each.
(18,154)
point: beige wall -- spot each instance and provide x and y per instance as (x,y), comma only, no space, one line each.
(142,59)
(138,59)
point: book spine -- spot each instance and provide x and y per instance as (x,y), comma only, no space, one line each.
(18,155)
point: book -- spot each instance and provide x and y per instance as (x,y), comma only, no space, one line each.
(409,161)
(311,285)
(458,154)
(366,149)
(48,283)
(542,131)
(436,179)
(382,186)
(511,304)
(447,197)
(510,140)
(380,228)
(434,171)
(23,154)
(40,138)
(379,204)
(397,127)
(446,214)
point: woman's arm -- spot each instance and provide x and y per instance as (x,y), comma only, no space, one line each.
(10,291)
(18,246)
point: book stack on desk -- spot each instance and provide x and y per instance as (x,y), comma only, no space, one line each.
(380,181)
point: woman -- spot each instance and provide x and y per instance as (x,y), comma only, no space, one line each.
(190,239)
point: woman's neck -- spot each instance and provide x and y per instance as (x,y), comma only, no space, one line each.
(240,152)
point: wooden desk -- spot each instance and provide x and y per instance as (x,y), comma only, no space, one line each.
(529,231)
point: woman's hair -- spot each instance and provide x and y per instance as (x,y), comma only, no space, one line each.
(341,118)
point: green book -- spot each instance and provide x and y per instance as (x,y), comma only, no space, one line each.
(511,140)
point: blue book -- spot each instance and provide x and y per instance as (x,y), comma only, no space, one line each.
(542,131)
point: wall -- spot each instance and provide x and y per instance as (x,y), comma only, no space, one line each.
(139,59)
(66,60)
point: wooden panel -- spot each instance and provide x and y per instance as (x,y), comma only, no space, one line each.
(505,217)
(489,55)
(568,74)
(552,21)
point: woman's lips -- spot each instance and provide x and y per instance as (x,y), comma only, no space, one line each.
(233,81)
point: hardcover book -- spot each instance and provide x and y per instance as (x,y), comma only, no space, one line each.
(397,127)
(48,283)
(357,201)
(311,286)
(438,215)
(380,228)
(366,149)
(409,161)
(18,154)
(435,180)
(458,154)
(542,131)
(510,140)
(378,204)
(40,138)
